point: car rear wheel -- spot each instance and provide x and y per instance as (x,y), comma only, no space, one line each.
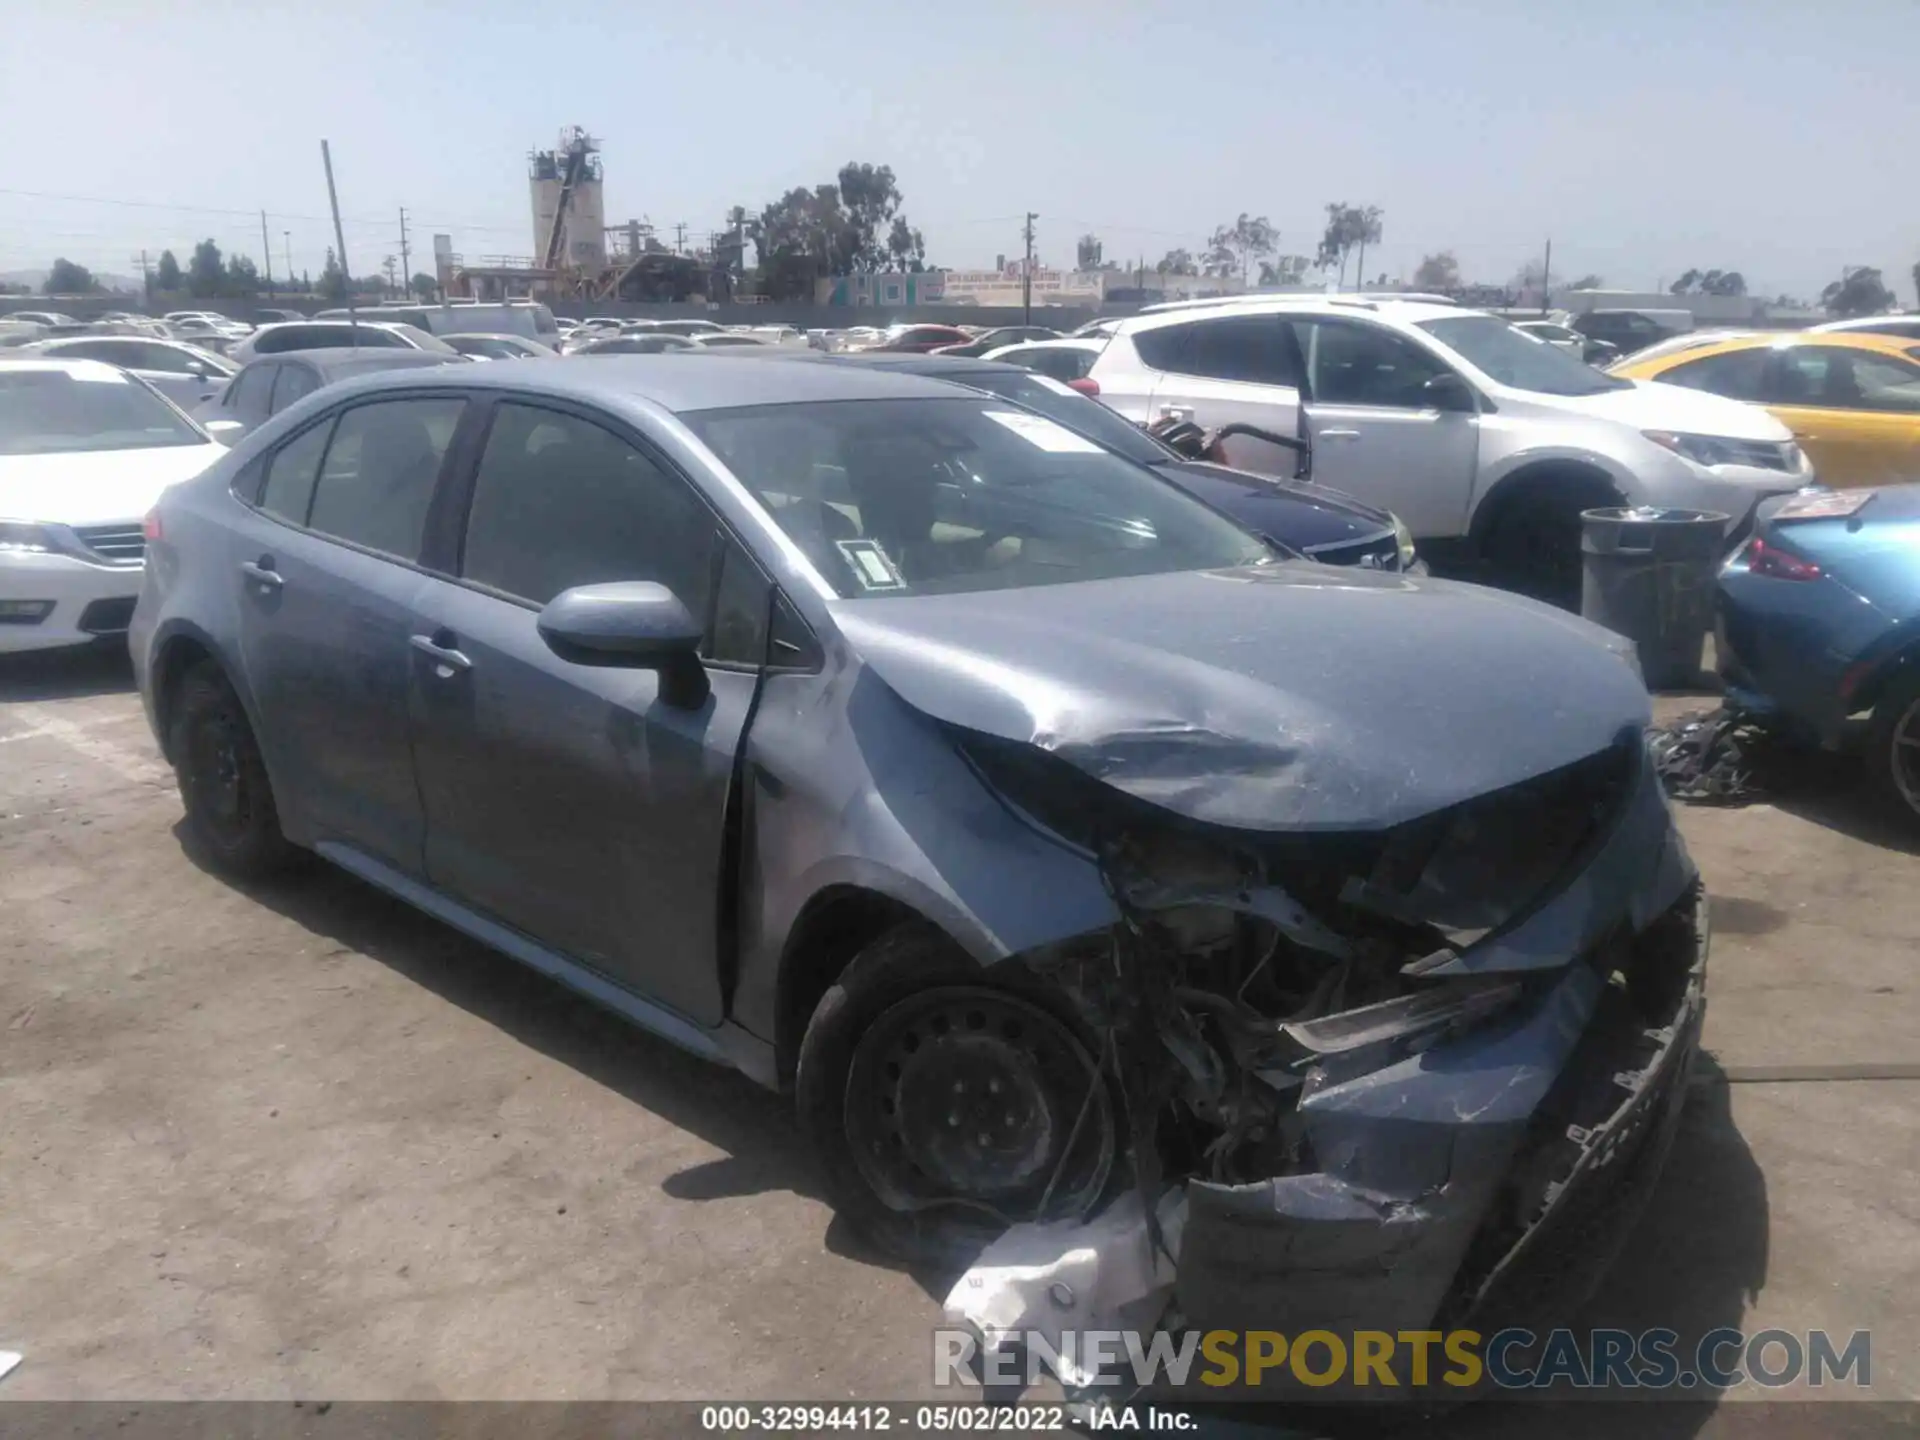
(1893,748)
(945,1107)
(231,815)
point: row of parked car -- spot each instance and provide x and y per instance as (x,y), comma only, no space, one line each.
(928,735)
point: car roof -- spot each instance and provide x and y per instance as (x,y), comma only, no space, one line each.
(341,359)
(1406,312)
(486,335)
(92,369)
(717,381)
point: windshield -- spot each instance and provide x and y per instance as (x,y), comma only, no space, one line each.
(1502,353)
(54,412)
(904,497)
(1073,410)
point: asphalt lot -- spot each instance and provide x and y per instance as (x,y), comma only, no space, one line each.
(306,1142)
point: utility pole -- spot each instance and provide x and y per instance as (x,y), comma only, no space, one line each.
(406,263)
(146,279)
(340,239)
(388,265)
(286,240)
(680,237)
(1026,271)
(266,252)
(1546,277)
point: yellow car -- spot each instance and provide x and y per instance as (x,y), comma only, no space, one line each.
(1851,399)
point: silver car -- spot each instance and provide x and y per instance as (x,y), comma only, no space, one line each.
(1041,828)
(185,374)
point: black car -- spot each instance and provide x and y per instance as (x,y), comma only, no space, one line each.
(1328,525)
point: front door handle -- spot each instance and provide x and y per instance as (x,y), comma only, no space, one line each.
(1338,435)
(448,661)
(262,573)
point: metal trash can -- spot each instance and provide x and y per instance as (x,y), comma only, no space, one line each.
(1649,574)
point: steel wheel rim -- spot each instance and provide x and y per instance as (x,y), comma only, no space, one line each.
(973,1098)
(219,780)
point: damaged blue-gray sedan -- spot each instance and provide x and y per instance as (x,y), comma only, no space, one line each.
(1044,831)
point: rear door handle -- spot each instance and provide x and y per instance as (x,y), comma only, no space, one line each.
(1338,435)
(448,660)
(262,573)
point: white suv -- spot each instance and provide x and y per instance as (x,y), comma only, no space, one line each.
(1486,442)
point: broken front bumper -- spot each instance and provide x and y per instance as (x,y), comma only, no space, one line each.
(1487,1182)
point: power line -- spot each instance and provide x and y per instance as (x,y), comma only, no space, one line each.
(244,214)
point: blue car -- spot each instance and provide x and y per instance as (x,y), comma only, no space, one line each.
(1819,623)
(1046,834)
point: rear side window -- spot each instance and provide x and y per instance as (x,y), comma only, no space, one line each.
(1256,349)
(380,471)
(295,382)
(1740,374)
(291,472)
(560,501)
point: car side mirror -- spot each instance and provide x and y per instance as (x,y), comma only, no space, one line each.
(637,624)
(1448,392)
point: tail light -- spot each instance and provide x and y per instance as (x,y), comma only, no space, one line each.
(1086,385)
(1771,560)
(150,527)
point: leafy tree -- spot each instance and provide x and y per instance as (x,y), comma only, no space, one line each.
(1858,291)
(1531,276)
(1587,282)
(243,278)
(1284,270)
(1176,262)
(906,247)
(206,274)
(166,274)
(66,278)
(1087,253)
(1709,282)
(333,280)
(1916,282)
(1349,227)
(424,285)
(1237,247)
(1439,271)
(871,200)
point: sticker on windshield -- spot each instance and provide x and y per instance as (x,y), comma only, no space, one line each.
(1042,433)
(870,565)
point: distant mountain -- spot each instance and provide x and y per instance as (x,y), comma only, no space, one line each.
(120,284)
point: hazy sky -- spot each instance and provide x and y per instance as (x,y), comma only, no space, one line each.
(1778,139)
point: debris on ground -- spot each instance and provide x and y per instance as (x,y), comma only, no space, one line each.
(1724,756)
(1104,1274)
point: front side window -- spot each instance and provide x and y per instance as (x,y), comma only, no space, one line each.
(902,497)
(1354,364)
(560,501)
(293,383)
(1738,374)
(1838,378)
(55,412)
(1500,352)
(1887,384)
(247,392)
(380,472)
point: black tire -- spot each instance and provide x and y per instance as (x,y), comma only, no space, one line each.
(1532,542)
(1893,749)
(231,816)
(914,965)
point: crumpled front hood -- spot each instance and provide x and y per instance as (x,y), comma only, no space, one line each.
(1289,697)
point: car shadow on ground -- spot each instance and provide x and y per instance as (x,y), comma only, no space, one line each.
(103,669)
(753,1126)
(1693,1264)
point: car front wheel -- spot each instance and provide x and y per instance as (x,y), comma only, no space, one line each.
(224,788)
(1893,747)
(946,1106)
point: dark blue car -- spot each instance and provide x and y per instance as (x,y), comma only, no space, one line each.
(1819,623)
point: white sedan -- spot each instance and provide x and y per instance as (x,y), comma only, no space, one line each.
(85,450)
